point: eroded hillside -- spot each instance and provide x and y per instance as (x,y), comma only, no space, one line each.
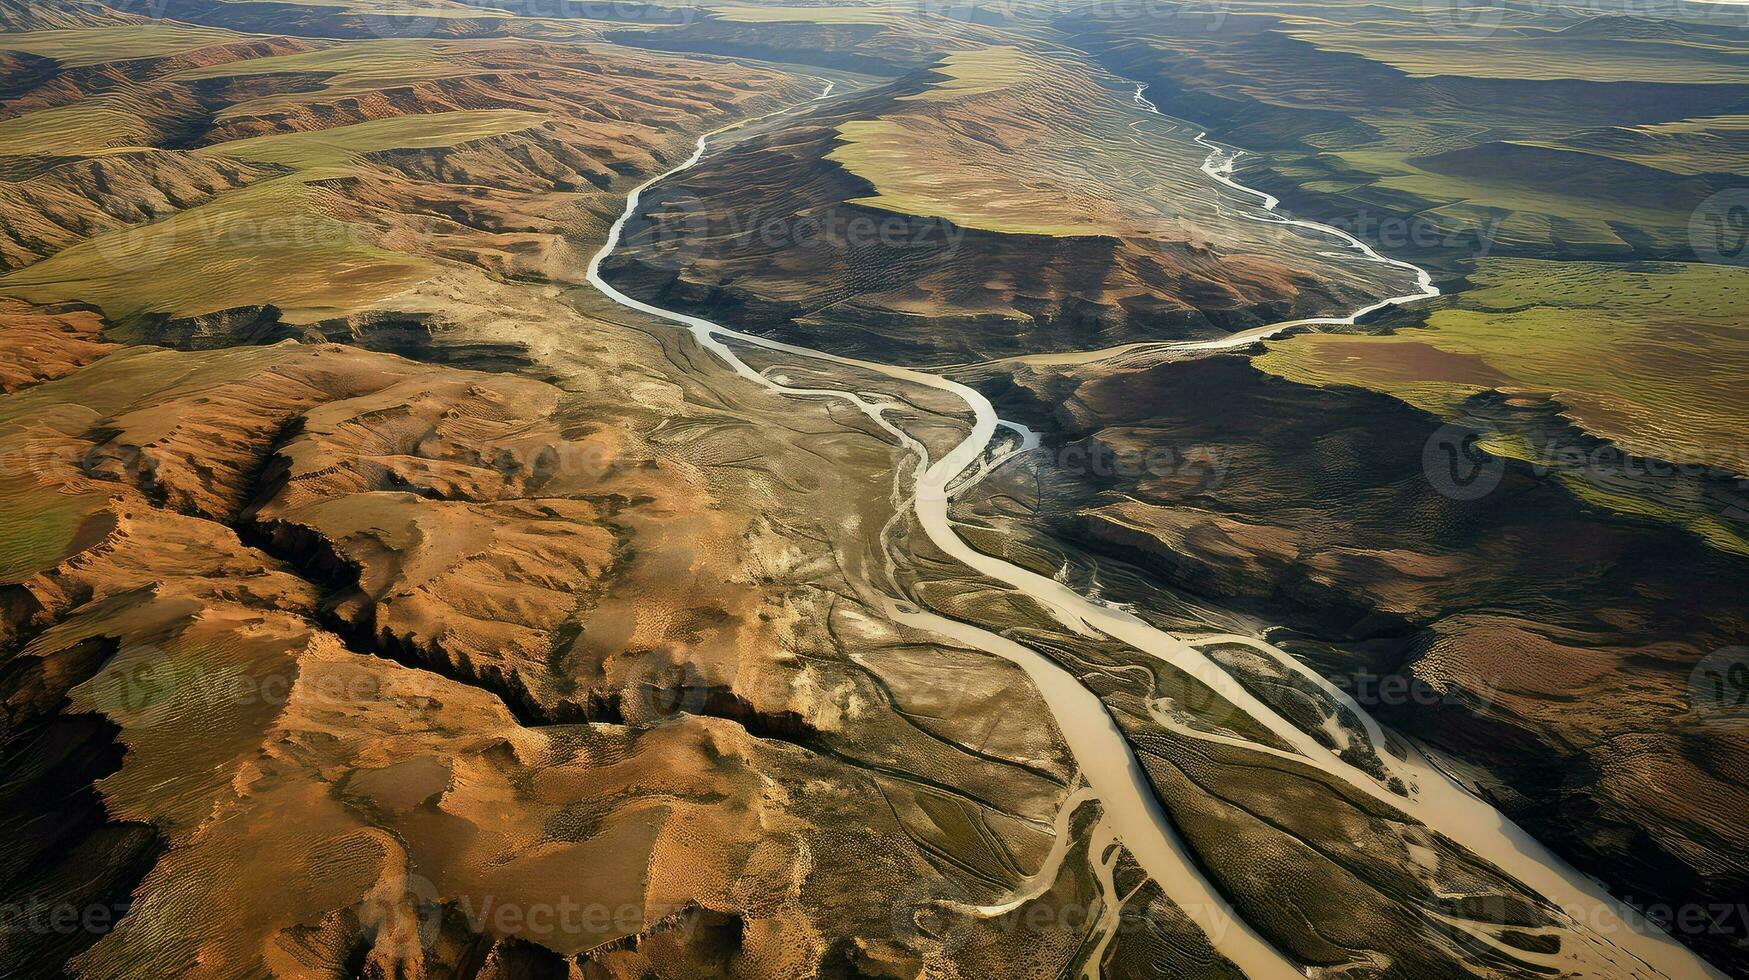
(385,596)
(1014,197)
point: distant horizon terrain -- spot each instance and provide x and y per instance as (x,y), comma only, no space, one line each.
(751,489)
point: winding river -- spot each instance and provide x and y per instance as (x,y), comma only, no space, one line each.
(1603,941)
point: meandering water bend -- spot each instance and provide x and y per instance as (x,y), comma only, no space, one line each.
(1099,747)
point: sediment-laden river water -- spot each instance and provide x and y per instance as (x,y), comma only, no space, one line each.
(1601,937)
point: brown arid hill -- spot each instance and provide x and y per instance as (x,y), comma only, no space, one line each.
(366,20)
(70,202)
(448,642)
(1002,201)
(443,641)
(320,661)
(377,600)
(401,630)
(151,187)
(1549,647)
(41,80)
(43,344)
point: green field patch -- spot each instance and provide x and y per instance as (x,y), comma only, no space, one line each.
(1703,124)
(885,151)
(325,148)
(81,129)
(1547,58)
(271,242)
(1703,525)
(1644,355)
(112,384)
(1547,218)
(1516,43)
(39,527)
(1706,145)
(267,243)
(803,14)
(42,524)
(112,121)
(1058,154)
(356,68)
(980,72)
(95,45)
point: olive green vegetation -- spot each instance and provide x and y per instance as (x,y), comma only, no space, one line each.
(1645,355)
(1494,41)
(1495,197)
(1554,133)
(812,14)
(215,256)
(78,47)
(1548,163)
(1062,152)
(101,122)
(1708,145)
(355,68)
(1603,192)
(81,129)
(915,168)
(110,122)
(312,152)
(40,526)
(981,72)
